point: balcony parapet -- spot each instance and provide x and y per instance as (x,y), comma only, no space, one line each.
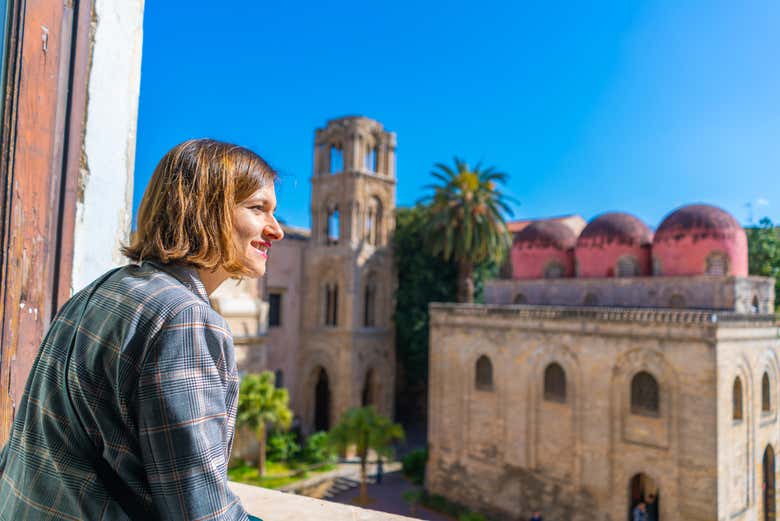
(271,505)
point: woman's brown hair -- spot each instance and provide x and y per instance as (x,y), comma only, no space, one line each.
(186,214)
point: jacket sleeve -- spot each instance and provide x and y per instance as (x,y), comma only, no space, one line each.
(187,394)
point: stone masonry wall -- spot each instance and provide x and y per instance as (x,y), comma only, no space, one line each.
(508,451)
(702,292)
(746,353)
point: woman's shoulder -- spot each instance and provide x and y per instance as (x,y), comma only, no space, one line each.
(153,290)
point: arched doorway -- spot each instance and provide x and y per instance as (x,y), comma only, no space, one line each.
(322,402)
(368,396)
(643,489)
(768,484)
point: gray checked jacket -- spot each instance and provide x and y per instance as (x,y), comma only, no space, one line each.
(152,379)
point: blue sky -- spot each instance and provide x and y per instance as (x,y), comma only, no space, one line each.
(588,106)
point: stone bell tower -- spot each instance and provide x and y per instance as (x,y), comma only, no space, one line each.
(347,354)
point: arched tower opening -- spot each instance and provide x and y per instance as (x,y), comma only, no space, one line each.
(322,401)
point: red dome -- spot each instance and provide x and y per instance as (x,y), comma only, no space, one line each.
(545,234)
(615,228)
(699,217)
(614,244)
(700,239)
(543,249)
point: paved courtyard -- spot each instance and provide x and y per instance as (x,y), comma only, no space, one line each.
(388,497)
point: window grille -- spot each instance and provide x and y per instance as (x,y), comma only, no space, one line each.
(627,267)
(717,263)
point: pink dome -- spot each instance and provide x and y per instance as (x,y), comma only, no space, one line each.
(614,244)
(543,249)
(700,239)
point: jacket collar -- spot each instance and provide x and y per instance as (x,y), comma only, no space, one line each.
(185,274)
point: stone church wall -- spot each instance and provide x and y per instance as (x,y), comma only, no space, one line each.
(508,451)
(746,353)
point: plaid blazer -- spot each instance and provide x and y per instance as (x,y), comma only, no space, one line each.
(153,379)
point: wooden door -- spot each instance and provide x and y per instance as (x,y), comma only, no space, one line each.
(46,54)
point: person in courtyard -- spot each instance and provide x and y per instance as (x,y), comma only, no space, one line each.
(537,516)
(129,409)
(640,512)
(652,507)
(380,469)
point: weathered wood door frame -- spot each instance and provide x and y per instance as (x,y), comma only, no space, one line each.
(48,49)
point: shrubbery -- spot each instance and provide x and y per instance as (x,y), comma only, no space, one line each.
(414,465)
(282,447)
(318,449)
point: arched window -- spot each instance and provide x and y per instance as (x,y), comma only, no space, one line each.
(736,398)
(677,301)
(367,396)
(627,266)
(331,304)
(590,299)
(554,270)
(644,395)
(371,231)
(370,163)
(278,378)
(657,269)
(336,159)
(484,374)
(520,299)
(369,303)
(322,401)
(555,383)
(332,235)
(717,263)
(755,307)
(766,397)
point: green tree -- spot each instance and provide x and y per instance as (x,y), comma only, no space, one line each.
(262,405)
(366,430)
(764,252)
(465,223)
(422,278)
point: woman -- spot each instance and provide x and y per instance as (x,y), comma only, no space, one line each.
(142,426)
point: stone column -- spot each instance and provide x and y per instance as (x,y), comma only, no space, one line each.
(381,156)
(325,158)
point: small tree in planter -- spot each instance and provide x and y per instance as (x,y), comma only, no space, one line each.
(364,429)
(260,405)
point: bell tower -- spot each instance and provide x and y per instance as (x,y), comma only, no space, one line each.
(347,350)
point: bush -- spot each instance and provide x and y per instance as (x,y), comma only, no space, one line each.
(414,465)
(282,447)
(318,449)
(472,516)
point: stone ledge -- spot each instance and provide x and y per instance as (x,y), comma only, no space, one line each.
(602,313)
(271,505)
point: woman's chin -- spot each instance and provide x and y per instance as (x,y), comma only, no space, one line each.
(257,270)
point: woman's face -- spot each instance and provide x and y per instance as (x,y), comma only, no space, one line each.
(255,228)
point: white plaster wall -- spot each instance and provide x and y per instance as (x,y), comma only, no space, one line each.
(103,211)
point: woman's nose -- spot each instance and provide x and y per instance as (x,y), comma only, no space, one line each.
(274,231)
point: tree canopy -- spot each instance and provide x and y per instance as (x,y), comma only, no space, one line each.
(465,222)
(764,252)
(260,405)
(365,430)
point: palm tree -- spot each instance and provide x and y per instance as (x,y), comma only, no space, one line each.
(364,429)
(260,405)
(465,222)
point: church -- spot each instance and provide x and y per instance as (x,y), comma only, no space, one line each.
(617,365)
(321,318)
